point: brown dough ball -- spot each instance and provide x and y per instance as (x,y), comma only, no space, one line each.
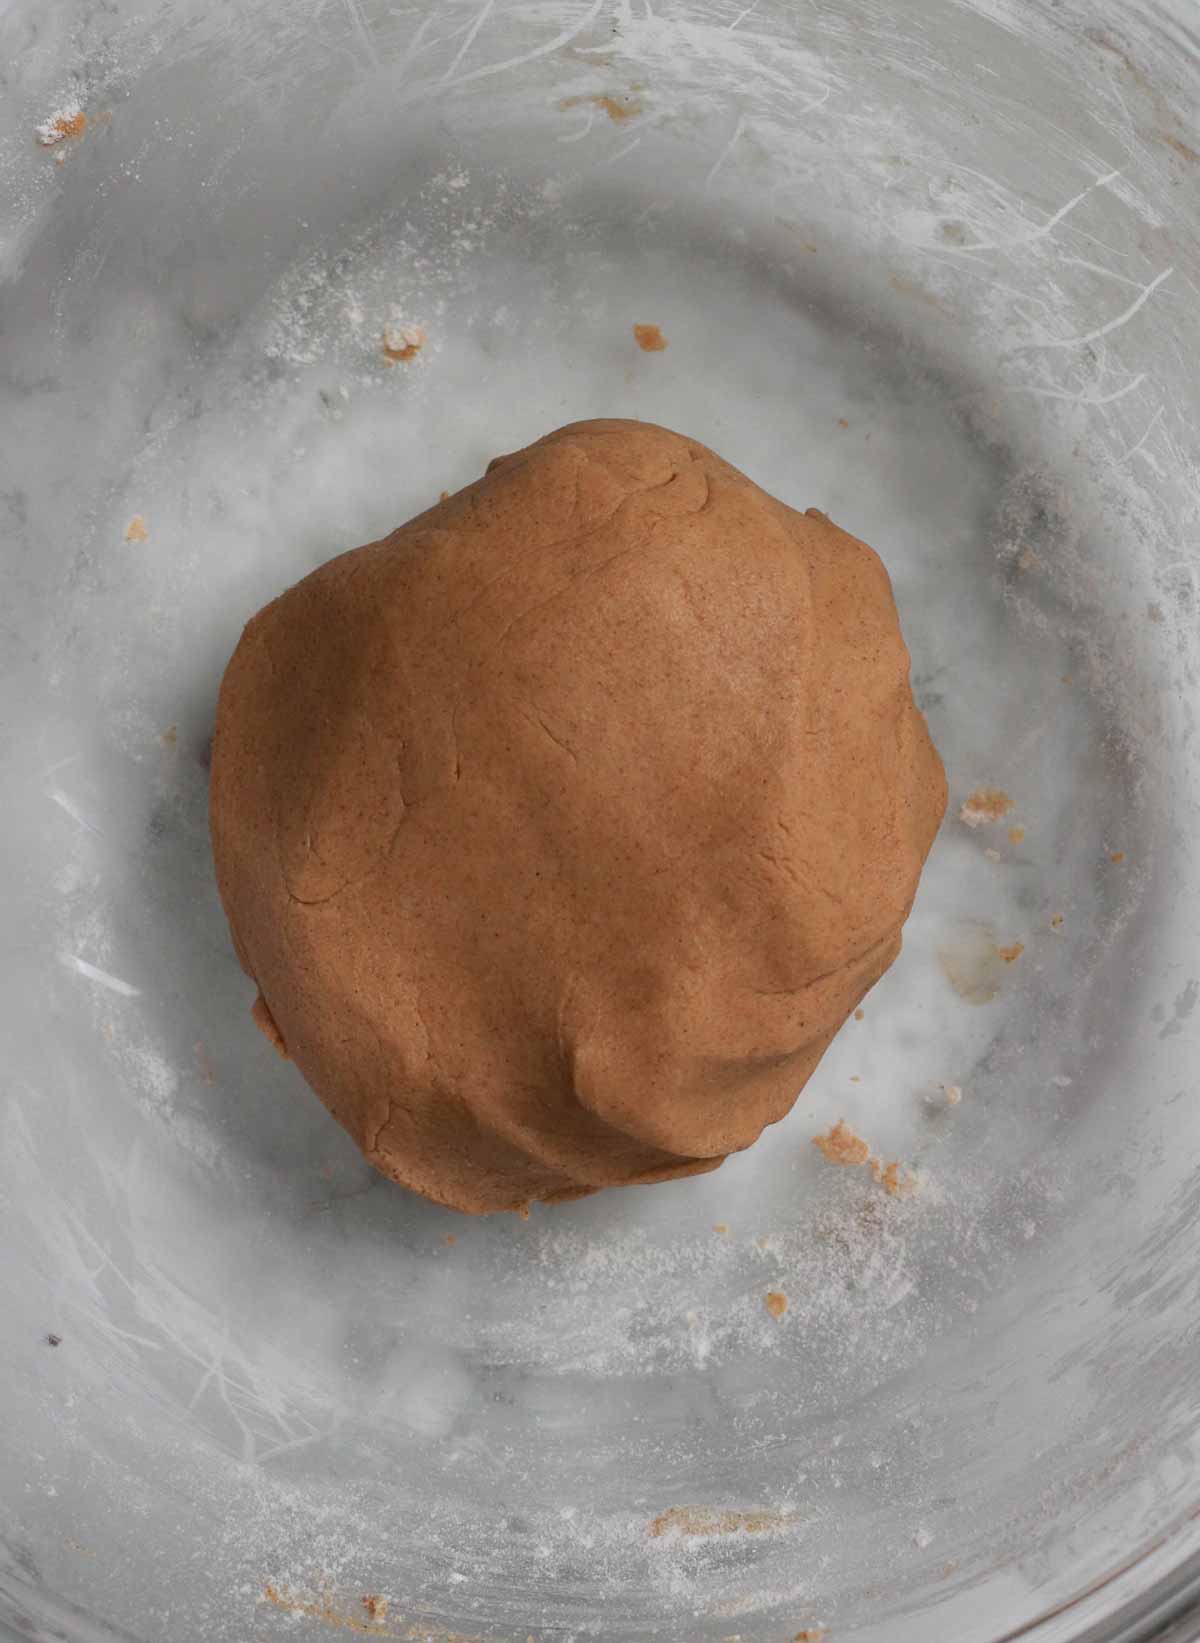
(563,828)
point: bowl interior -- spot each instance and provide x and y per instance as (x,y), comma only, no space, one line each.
(931,270)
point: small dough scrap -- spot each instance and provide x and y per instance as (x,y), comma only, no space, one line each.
(562,828)
(649,339)
(842,1145)
(984,805)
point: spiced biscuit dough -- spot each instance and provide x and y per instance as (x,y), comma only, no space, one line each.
(563,828)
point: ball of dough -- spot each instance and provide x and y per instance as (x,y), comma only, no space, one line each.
(563,828)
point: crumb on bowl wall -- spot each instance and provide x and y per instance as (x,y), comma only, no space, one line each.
(842,1145)
(402,341)
(890,1179)
(68,122)
(649,339)
(984,805)
(616,108)
(706,1521)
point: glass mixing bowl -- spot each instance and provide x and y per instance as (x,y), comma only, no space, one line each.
(931,267)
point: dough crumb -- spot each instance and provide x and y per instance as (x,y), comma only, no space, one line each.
(811,1634)
(1117,856)
(402,341)
(443,496)
(451,1238)
(776,1303)
(523,1211)
(860,1015)
(136,530)
(333,1612)
(890,1179)
(1016,835)
(993,855)
(952,1093)
(1010,955)
(649,339)
(842,1145)
(1056,923)
(614,107)
(722,1227)
(842,422)
(706,1520)
(170,736)
(68,122)
(985,804)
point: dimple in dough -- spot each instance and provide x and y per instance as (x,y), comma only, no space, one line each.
(562,828)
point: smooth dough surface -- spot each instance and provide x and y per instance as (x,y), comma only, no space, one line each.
(563,828)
